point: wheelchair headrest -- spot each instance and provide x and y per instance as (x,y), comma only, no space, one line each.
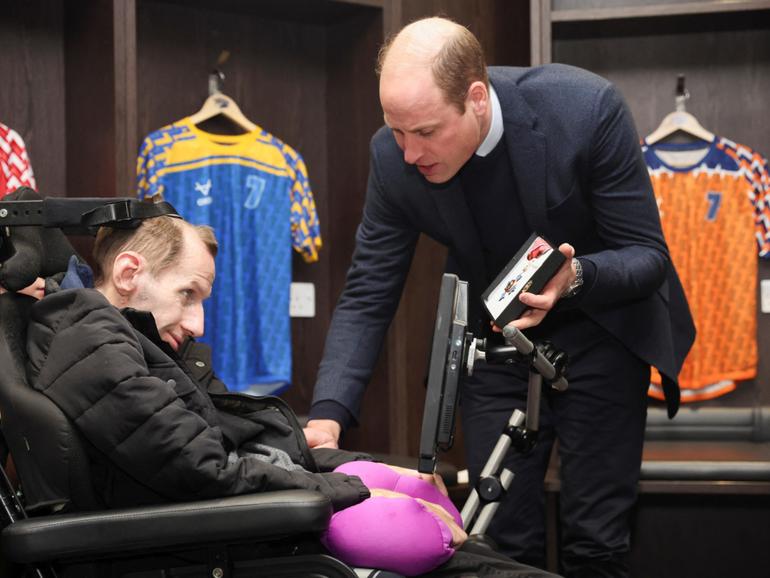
(30,252)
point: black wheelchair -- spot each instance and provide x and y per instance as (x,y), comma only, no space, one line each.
(55,525)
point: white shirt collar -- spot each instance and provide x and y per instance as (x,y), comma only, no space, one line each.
(495,126)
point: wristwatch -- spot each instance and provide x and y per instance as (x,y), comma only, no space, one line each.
(575,286)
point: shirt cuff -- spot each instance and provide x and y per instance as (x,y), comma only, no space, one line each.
(328,409)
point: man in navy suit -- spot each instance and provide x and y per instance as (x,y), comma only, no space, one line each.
(478,159)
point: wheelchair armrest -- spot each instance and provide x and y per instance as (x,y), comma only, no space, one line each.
(250,517)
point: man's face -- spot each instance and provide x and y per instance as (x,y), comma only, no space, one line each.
(175,296)
(433,134)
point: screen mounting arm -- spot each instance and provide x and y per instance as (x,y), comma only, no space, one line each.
(546,363)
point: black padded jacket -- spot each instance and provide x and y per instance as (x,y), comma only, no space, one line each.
(159,426)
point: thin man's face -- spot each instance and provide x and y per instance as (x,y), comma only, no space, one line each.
(175,296)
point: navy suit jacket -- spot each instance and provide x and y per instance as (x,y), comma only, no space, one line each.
(581,178)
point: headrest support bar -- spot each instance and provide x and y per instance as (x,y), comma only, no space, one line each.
(81,215)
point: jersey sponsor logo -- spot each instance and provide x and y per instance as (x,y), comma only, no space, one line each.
(205,190)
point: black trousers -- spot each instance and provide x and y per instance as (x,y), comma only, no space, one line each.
(472,560)
(599,423)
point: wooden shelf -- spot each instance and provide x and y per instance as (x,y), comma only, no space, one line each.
(655,11)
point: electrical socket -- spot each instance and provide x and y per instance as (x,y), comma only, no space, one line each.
(764,293)
(302,300)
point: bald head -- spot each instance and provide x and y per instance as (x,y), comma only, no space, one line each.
(434,94)
(418,43)
(438,50)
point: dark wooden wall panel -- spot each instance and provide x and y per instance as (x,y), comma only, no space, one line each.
(726,62)
(275,71)
(90,99)
(352,43)
(727,73)
(32,97)
(353,116)
(501,26)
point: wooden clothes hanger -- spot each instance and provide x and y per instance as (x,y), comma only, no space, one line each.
(219,103)
(680,120)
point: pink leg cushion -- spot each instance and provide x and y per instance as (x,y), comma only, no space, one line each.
(396,534)
(375,475)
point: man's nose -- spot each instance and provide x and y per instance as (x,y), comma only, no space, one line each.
(412,150)
(193,323)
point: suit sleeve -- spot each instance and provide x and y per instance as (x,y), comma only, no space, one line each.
(90,363)
(385,244)
(635,258)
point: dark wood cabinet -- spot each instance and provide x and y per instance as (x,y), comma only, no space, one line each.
(682,527)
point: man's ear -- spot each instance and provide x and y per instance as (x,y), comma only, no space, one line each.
(479,97)
(126,269)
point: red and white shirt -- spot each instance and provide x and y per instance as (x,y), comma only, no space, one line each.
(15,170)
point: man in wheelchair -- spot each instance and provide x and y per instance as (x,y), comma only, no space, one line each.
(121,362)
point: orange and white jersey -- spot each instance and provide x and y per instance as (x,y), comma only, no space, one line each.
(714,203)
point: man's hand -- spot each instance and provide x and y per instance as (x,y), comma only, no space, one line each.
(540,305)
(323,433)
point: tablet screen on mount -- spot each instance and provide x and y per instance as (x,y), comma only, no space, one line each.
(445,369)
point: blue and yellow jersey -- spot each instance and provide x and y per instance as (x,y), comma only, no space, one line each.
(715,213)
(253,190)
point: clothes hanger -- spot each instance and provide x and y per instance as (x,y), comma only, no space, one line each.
(680,120)
(219,103)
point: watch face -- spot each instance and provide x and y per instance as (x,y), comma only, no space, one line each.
(578,282)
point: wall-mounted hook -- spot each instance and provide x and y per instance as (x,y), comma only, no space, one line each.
(217,77)
(216,81)
(682,94)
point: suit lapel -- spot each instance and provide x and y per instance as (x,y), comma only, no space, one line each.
(527,151)
(526,148)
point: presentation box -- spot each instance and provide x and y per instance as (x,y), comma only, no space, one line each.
(529,271)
